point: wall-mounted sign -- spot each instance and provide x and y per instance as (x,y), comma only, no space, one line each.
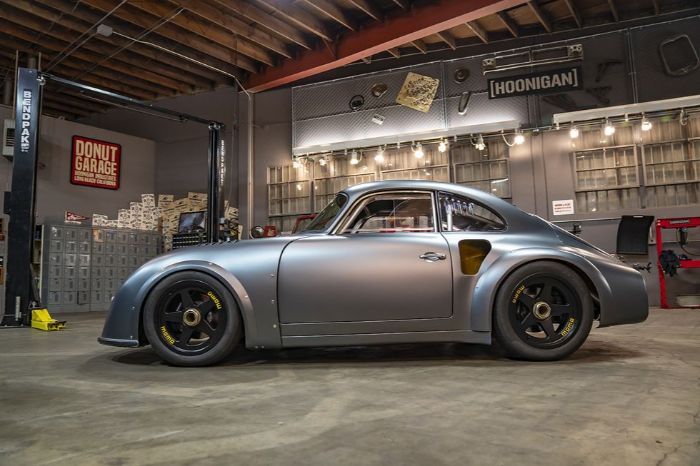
(95,163)
(563,207)
(563,79)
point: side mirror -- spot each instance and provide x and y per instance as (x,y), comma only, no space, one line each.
(257,232)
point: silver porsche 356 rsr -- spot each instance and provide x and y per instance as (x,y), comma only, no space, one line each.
(384,262)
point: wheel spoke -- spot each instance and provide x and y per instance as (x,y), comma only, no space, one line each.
(527,301)
(175,317)
(546,292)
(186,299)
(559,310)
(548,327)
(183,341)
(205,327)
(206,307)
(528,321)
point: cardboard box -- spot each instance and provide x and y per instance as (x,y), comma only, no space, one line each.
(148,200)
(197,196)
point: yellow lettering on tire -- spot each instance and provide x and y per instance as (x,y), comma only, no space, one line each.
(517,293)
(569,325)
(216,300)
(167,335)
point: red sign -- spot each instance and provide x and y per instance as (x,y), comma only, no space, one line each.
(95,163)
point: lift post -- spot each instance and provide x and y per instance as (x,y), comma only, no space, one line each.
(20,202)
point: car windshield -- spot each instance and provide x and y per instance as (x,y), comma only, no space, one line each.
(326,216)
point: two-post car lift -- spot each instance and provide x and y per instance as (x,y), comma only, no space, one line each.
(20,202)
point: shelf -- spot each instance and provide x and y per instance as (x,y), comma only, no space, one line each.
(579,170)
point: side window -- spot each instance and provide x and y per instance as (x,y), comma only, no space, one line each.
(393,213)
(462,214)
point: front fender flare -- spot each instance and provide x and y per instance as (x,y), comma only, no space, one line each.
(216,272)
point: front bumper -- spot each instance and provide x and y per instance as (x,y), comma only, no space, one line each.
(118,342)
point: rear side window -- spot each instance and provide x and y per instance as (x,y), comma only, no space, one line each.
(462,214)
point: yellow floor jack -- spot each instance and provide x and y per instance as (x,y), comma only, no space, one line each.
(42,320)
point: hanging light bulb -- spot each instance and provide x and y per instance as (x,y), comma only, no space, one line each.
(379,158)
(322,161)
(608,129)
(519,139)
(480,144)
(296,163)
(573,132)
(442,147)
(353,158)
(418,151)
(646,124)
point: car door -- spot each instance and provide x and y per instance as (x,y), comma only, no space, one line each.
(387,262)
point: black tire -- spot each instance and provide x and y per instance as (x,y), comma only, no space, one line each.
(191,319)
(543,312)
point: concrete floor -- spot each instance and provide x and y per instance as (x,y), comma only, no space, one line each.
(630,396)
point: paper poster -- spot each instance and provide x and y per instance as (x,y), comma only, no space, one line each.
(418,92)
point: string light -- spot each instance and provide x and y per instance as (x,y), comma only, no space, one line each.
(322,161)
(573,132)
(296,163)
(353,158)
(480,144)
(608,129)
(442,147)
(379,158)
(418,151)
(646,124)
(519,139)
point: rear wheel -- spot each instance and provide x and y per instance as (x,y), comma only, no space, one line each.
(191,319)
(543,312)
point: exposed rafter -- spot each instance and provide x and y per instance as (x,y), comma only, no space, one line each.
(479,31)
(613,10)
(540,15)
(448,38)
(299,17)
(574,12)
(509,23)
(422,21)
(403,4)
(333,11)
(420,45)
(369,8)
(655,3)
(394,52)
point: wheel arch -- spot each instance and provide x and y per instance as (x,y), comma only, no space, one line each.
(216,272)
(490,283)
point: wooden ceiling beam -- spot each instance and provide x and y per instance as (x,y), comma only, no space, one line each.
(266,20)
(448,38)
(227,24)
(369,8)
(421,21)
(540,15)
(655,4)
(55,40)
(574,13)
(176,79)
(299,17)
(332,11)
(54,110)
(20,40)
(613,10)
(403,4)
(56,95)
(478,31)
(176,33)
(214,39)
(509,23)
(57,102)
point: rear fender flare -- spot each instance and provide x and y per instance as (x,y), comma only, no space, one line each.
(490,282)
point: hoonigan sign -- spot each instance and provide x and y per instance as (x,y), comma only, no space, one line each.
(95,163)
(566,79)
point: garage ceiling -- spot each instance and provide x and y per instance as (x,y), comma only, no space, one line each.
(264,43)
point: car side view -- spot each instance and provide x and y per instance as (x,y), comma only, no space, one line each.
(384,262)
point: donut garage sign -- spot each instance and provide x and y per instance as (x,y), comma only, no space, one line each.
(95,163)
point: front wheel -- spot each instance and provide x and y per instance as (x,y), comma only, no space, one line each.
(191,319)
(543,312)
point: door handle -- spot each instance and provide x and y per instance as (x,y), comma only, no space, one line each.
(432,256)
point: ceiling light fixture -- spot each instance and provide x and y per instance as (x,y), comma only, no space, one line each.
(480,144)
(322,161)
(646,124)
(519,138)
(354,160)
(573,132)
(442,147)
(296,163)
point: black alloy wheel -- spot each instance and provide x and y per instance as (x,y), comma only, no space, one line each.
(191,319)
(544,311)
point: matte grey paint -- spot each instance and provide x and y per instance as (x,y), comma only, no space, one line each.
(285,304)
